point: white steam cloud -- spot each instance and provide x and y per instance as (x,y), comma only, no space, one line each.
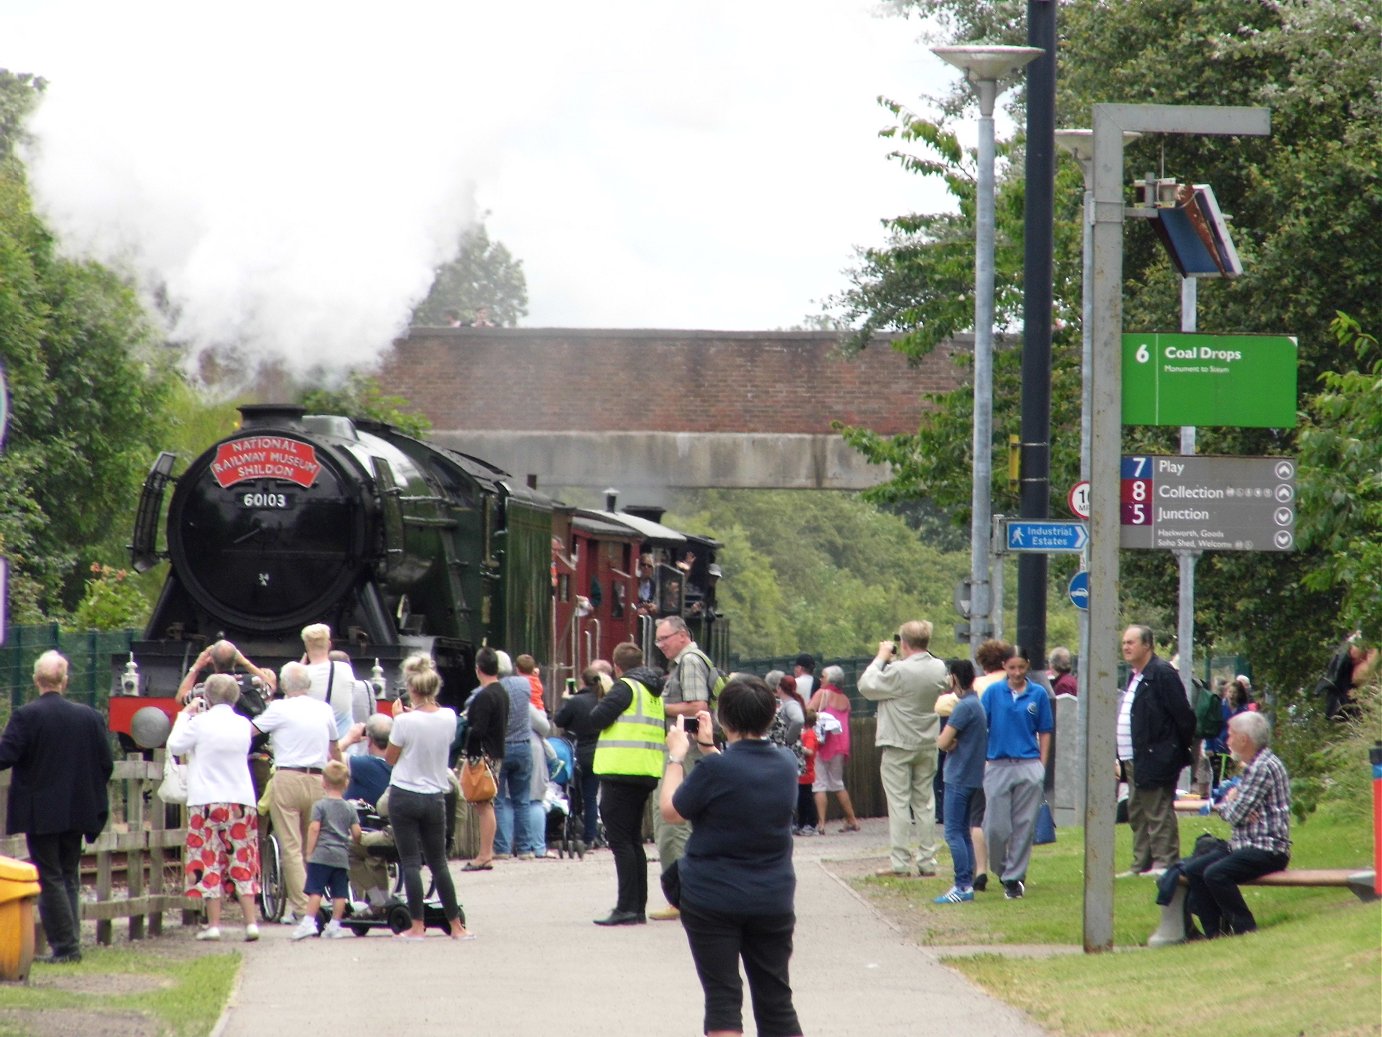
(288,174)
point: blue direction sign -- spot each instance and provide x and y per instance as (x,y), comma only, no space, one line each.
(1079,590)
(1042,537)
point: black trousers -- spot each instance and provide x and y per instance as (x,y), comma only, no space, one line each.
(1214,894)
(621,808)
(764,942)
(58,858)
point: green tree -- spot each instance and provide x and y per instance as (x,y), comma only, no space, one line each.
(87,382)
(1306,202)
(829,573)
(362,397)
(482,274)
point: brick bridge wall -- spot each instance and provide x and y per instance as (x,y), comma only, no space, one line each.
(564,380)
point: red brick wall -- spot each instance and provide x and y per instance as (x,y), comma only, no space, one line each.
(674,381)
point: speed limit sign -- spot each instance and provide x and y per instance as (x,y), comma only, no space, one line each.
(1079,499)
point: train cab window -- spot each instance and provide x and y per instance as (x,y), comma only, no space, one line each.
(597,594)
(670,582)
(616,608)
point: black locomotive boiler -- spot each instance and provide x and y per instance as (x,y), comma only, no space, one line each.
(399,545)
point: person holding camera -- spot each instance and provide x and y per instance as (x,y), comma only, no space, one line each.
(905,679)
(735,885)
(222,851)
(628,759)
(222,657)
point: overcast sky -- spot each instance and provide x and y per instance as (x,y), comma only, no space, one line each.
(292,171)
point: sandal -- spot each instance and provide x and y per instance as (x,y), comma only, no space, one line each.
(472,866)
(850,828)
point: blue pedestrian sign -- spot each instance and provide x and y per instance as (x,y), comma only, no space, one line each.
(1042,537)
(1079,590)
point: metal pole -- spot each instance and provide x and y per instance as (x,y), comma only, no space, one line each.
(1185,560)
(1086,419)
(999,561)
(981,506)
(1038,233)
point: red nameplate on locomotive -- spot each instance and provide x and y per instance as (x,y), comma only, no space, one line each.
(265,457)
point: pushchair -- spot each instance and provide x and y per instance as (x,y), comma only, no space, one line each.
(564,825)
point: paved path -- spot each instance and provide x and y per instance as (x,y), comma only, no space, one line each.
(538,957)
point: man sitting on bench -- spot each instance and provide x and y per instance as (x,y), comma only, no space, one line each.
(1259,810)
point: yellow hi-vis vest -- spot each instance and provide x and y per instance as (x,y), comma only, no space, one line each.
(635,744)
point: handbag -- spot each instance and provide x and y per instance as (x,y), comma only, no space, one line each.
(477,780)
(174,786)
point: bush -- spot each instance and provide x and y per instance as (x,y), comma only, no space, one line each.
(112,601)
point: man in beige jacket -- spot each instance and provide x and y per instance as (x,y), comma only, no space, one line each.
(905,680)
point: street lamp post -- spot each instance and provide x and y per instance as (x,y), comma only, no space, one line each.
(984,67)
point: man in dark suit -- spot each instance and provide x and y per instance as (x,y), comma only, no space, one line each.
(60,752)
(1155,729)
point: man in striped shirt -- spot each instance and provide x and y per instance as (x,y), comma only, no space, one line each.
(1259,810)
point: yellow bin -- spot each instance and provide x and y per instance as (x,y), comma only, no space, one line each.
(18,896)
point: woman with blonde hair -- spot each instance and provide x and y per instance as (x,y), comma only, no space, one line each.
(419,746)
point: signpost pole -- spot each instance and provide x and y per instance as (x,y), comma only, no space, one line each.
(1185,560)
(1110,122)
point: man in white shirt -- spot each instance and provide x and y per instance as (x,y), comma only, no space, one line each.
(302,732)
(332,682)
(805,672)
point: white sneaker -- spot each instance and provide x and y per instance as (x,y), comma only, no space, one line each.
(307,927)
(335,931)
(209,933)
(251,932)
(289,919)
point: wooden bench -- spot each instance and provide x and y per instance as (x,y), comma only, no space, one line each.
(1172,927)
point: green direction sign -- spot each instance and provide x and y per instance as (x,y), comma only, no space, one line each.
(1239,381)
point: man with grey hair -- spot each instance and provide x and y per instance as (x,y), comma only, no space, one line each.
(369,779)
(302,731)
(1259,810)
(905,679)
(1153,736)
(60,752)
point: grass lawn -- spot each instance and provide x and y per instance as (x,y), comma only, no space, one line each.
(1314,967)
(121,992)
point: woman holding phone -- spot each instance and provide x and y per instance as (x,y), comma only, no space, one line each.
(737,884)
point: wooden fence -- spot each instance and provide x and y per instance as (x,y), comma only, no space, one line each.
(135,867)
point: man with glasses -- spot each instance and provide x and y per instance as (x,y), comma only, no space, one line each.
(686,693)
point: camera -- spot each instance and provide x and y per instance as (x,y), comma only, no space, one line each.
(691,724)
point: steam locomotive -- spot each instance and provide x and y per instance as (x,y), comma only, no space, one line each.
(400,546)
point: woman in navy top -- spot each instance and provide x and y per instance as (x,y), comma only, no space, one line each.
(737,883)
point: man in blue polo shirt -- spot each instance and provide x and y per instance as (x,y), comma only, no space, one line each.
(1019,720)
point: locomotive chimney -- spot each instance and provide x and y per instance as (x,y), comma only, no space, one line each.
(271,415)
(611,499)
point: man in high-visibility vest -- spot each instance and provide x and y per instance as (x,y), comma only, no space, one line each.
(629,760)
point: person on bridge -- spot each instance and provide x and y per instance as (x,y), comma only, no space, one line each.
(1155,729)
(1259,809)
(906,687)
(737,886)
(60,752)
